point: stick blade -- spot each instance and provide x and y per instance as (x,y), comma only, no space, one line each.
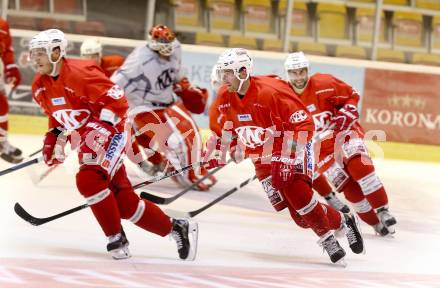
(153,198)
(177,214)
(23,214)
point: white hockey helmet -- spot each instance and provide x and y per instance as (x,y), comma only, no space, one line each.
(235,59)
(296,60)
(91,46)
(49,40)
(162,40)
(215,80)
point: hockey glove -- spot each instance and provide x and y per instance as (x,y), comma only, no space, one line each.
(282,168)
(345,117)
(53,149)
(12,75)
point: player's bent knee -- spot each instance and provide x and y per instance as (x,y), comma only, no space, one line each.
(91,180)
(130,206)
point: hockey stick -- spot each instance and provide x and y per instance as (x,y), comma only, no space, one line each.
(36,152)
(23,214)
(216,200)
(162,200)
(39,221)
(21,165)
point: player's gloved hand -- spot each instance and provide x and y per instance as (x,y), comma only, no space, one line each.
(345,118)
(97,134)
(12,75)
(211,154)
(53,149)
(282,168)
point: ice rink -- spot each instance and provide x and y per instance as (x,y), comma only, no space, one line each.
(242,241)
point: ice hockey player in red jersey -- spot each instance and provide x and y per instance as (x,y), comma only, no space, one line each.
(9,74)
(343,157)
(91,49)
(152,77)
(77,97)
(274,129)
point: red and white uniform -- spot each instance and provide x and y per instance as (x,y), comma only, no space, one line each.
(7,63)
(83,100)
(161,121)
(343,156)
(261,121)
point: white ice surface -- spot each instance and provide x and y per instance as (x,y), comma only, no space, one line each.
(243,242)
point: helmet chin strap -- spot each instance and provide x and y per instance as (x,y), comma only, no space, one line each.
(241,81)
(54,72)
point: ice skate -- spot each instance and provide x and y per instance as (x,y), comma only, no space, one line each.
(118,246)
(336,203)
(10,153)
(332,247)
(185,233)
(353,233)
(386,219)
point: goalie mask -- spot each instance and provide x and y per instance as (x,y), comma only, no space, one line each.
(162,40)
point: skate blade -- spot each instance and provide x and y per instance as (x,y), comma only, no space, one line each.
(120,254)
(193,240)
(341,262)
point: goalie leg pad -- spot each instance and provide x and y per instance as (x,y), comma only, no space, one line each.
(92,183)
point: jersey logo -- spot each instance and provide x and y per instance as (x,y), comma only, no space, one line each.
(115,92)
(165,79)
(71,119)
(311,108)
(244,117)
(298,116)
(58,101)
(322,120)
(253,136)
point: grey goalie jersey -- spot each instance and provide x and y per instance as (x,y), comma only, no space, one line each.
(148,80)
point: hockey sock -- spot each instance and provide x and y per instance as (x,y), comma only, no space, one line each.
(369,182)
(141,212)
(4,109)
(322,186)
(354,195)
(92,184)
(300,197)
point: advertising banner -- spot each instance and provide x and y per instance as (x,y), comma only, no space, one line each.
(405,105)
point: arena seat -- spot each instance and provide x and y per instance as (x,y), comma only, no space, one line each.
(365,25)
(275,45)
(313,48)
(222,14)
(209,39)
(425,59)
(428,4)
(300,18)
(257,15)
(355,52)
(243,42)
(409,28)
(186,12)
(332,21)
(390,55)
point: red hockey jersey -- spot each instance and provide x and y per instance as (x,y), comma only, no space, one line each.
(79,93)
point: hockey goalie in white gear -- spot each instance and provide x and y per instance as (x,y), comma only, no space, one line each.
(161,101)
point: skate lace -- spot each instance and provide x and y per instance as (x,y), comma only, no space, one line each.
(351,235)
(178,238)
(330,246)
